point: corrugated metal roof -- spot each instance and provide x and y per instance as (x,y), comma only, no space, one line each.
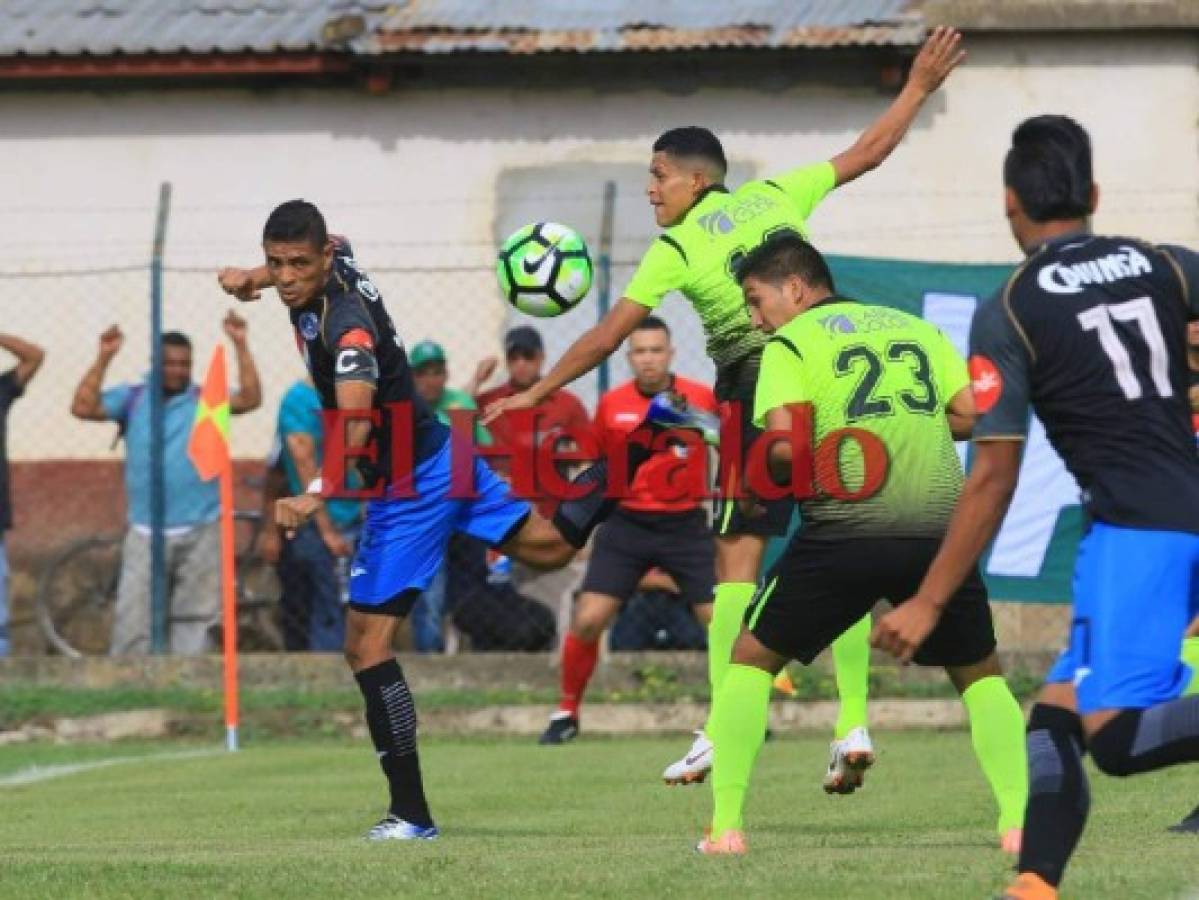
(105,27)
(539,26)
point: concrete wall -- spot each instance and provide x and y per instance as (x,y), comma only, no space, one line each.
(415,178)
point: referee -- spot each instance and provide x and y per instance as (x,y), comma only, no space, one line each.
(644,533)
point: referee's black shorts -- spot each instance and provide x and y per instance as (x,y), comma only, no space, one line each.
(819,588)
(736,384)
(631,543)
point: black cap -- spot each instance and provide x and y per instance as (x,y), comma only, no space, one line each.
(523,337)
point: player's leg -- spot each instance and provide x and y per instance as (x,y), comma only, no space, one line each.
(1126,671)
(737,725)
(964,644)
(390,715)
(576,519)
(403,544)
(593,613)
(1190,656)
(620,555)
(851,668)
(805,601)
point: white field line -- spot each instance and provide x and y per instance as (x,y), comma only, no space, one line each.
(35,773)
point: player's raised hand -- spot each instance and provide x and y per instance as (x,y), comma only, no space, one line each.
(939,56)
(292,513)
(111,340)
(235,328)
(901,631)
(238,283)
(523,400)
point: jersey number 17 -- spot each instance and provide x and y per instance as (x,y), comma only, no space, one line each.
(1140,311)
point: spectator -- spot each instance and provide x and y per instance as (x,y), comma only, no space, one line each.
(312,564)
(12,385)
(524,354)
(647,531)
(560,412)
(192,506)
(428,362)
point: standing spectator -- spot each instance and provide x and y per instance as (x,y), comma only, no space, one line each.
(524,354)
(646,532)
(428,362)
(12,385)
(561,411)
(311,564)
(193,539)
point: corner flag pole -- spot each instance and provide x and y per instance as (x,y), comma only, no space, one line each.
(208,449)
(229,605)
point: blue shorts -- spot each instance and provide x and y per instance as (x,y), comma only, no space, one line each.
(403,540)
(1135,592)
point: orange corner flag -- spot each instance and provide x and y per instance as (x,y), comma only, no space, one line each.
(208,447)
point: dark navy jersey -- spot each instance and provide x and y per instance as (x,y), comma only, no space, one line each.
(1091,332)
(346,335)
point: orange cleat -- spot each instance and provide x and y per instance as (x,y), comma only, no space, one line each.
(1030,886)
(1010,841)
(731,843)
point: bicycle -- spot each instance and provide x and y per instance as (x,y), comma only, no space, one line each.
(77,593)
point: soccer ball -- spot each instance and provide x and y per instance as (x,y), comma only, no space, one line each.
(544,269)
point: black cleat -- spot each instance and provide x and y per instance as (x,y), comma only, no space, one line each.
(1189,825)
(563,727)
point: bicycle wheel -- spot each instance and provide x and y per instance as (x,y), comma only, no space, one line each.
(77,595)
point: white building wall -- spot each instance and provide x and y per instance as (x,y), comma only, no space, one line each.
(412,177)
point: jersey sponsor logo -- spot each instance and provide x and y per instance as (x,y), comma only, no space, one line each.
(626,417)
(986,383)
(1058,278)
(310,326)
(716,223)
(838,324)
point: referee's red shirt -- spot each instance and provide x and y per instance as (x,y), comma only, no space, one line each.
(620,411)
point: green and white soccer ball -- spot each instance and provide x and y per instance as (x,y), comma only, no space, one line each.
(544,269)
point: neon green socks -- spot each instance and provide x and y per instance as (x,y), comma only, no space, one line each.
(728,612)
(851,666)
(1190,656)
(997,732)
(737,727)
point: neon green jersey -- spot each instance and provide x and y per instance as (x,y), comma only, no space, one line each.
(697,256)
(889,373)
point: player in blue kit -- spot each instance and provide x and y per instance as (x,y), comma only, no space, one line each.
(360,369)
(1090,333)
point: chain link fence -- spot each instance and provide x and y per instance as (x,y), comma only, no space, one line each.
(71,547)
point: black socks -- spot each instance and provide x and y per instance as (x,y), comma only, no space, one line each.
(391,718)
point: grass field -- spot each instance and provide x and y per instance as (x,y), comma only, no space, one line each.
(285,819)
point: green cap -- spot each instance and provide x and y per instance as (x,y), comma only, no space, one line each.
(425,352)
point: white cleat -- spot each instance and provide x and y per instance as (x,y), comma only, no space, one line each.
(393,828)
(849,758)
(695,766)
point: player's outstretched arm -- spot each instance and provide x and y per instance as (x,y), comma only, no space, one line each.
(244,284)
(980,510)
(939,56)
(593,347)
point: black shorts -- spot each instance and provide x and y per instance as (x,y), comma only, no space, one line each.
(819,588)
(736,384)
(629,544)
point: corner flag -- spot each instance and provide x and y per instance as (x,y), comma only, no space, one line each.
(208,449)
